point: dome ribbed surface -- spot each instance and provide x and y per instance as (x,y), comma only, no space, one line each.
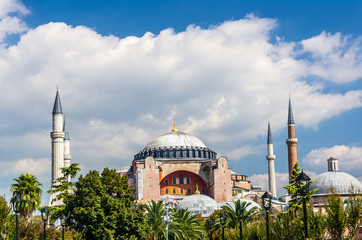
(198,204)
(175,139)
(340,181)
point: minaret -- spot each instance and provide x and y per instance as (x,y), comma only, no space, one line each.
(67,156)
(291,141)
(270,157)
(57,136)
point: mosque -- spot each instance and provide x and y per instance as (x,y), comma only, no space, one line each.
(178,165)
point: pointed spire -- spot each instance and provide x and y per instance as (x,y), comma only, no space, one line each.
(290,113)
(174,129)
(65,130)
(57,104)
(270,140)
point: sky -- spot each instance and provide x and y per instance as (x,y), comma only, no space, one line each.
(126,69)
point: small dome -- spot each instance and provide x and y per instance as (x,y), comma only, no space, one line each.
(175,139)
(340,181)
(198,204)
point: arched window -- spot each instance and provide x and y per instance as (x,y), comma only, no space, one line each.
(188,180)
(182,191)
(181,178)
(203,191)
(188,191)
(173,180)
(166,191)
(166,182)
(173,190)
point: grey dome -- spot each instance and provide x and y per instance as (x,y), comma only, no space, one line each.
(198,204)
(175,139)
(340,181)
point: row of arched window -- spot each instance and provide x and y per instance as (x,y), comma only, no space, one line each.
(179,180)
(182,191)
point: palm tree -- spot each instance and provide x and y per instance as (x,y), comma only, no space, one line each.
(29,188)
(233,216)
(71,171)
(155,212)
(186,225)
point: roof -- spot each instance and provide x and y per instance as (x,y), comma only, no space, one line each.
(57,108)
(270,140)
(341,182)
(175,139)
(199,204)
(290,113)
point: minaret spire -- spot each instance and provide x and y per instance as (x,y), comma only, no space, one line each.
(57,136)
(271,157)
(291,141)
(67,156)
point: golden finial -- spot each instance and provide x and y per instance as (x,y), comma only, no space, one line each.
(197,189)
(174,129)
(57,87)
(289,95)
(268,120)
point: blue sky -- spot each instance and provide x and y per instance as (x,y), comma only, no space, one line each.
(126,69)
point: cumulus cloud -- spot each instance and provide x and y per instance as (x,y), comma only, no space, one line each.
(37,167)
(10,23)
(220,83)
(243,151)
(337,57)
(349,158)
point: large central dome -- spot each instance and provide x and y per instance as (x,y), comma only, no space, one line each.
(176,145)
(175,139)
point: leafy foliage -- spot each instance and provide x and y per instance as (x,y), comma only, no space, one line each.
(4,215)
(104,203)
(336,216)
(297,189)
(186,225)
(29,189)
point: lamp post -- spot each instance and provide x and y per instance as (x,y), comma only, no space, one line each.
(210,222)
(16,200)
(304,179)
(45,215)
(84,230)
(266,199)
(72,223)
(62,221)
(222,222)
(167,219)
(240,211)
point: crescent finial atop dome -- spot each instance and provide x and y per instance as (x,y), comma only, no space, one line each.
(174,129)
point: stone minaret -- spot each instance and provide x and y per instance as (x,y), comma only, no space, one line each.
(67,156)
(57,136)
(291,141)
(270,157)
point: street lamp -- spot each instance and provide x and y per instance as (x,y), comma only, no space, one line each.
(167,219)
(62,221)
(45,215)
(72,223)
(266,199)
(16,201)
(84,230)
(304,179)
(222,222)
(240,210)
(210,222)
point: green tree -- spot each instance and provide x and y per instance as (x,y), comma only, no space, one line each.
(105,204)
(297,189)
(154,218)
(29,188)
(336,216)
(354,212)
(233,215)
(5,210)
(186,225)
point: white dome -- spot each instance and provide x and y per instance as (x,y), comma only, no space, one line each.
(175,139)
(340,181)
(198,204)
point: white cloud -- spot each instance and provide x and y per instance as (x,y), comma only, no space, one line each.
(338,58)
(37,167)
(243,151)
(349,159)
(11,24)
(220,83)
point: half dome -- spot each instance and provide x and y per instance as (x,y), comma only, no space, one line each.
(341,182)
